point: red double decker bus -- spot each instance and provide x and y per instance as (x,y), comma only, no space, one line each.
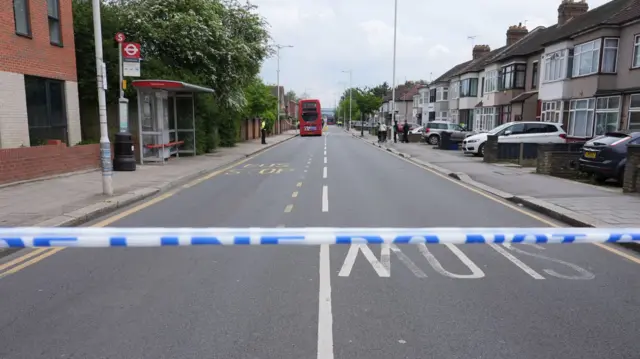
(310,118)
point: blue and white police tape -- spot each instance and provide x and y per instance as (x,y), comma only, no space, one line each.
(161,237)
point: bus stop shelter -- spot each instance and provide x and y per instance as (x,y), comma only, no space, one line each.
(166,119)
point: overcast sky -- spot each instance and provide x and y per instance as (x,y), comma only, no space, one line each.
(330,36)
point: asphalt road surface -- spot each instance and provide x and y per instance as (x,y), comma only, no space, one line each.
(346,302)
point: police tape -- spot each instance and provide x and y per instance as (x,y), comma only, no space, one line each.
(161,237)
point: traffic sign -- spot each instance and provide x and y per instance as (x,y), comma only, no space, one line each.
(120,37)
(131,50)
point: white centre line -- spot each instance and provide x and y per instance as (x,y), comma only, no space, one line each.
(325,152)
(324,172)
(325,317)
(325,199)
(325,160)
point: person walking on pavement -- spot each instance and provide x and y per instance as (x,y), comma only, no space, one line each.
(396,130)
(405,132)
(263,131)
(382,132)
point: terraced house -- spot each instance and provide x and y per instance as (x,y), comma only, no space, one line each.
(583,72)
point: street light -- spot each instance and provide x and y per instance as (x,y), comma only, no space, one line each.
(101,73)
(278,47)
(350,97)
(393,89)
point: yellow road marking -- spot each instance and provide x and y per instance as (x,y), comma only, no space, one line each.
(299,184)
(609,248)
(39,254)
(288,208)
(294,194)
(15,261)
(30,262)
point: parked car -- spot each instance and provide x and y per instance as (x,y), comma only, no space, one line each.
(605,157)
(433,129)
(517,132)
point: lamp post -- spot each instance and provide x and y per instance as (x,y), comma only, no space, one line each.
(393,90)
(350,95)
(278,47)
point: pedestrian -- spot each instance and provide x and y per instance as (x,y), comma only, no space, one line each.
(405,132)
(382,132)
(263,131)
(396,129)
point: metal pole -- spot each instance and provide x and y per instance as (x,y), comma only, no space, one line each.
(393,90)
(350,98)
(278,86)
(361,125)
(101,76)
(123,103)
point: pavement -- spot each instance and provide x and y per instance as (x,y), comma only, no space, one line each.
(285,302)
(575,203)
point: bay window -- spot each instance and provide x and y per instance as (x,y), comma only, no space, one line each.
(636,52)
(610,55)
(442,116)
(555,66)
(534,75)
(505,115)
(634,113)
(551,111)
(586,58)
(442,94)
(607,115)
(491,81)
(581,117)
(454,116)
(512,77)
(455,90)
(469,88)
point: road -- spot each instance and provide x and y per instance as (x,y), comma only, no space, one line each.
(343,302)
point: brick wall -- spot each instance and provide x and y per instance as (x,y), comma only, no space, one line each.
(558,159)
(36,56)
(19,164)
(632,170)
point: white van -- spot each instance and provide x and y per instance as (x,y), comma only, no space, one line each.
(517,132)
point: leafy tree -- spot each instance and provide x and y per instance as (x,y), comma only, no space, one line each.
(381,90)
(367,101)
(219,44)
(291,95)
(260,102)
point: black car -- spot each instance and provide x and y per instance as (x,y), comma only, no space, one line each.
(605,157)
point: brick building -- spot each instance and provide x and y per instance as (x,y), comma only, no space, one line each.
(38,81)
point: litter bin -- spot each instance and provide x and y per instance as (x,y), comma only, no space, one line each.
(123,155)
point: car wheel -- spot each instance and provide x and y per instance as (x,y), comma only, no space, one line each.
(434,140)
(481,150)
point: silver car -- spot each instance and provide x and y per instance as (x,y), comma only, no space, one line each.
(433,129)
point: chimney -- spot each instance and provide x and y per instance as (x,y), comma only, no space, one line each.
(570,9)
(515,33)
(480,51)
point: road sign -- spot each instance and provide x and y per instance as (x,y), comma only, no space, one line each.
(131,50)
(120,37)
(131,68)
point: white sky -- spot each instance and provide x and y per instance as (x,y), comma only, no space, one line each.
(334,35)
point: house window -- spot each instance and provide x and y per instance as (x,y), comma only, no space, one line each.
(586,58)
(485,119)
(551,111)
(455,90)
(634,113)
(21,17)
(581,117)
(442,116)
(607,114)
(610,55)
(469,88)
(442,94)
(534,75)
(432,95)
(555,66)
(454,116)
(55,34)
(512,77)
(636,53)
(46,112)
(491,82)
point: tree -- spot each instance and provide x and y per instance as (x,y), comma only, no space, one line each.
(260,102)
(219,44)
(381,90)
(291,95)
(367,101)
